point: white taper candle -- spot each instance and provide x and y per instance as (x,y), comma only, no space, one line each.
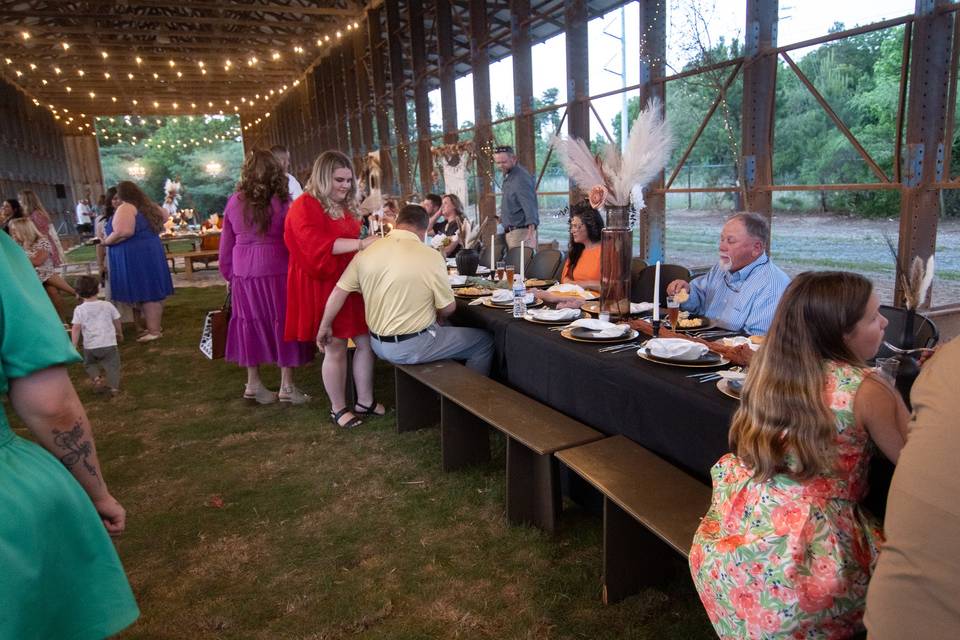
(656,293)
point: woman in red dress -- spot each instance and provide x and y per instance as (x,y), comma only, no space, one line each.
(322,233)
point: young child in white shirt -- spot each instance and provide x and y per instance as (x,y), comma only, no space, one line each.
(98,322)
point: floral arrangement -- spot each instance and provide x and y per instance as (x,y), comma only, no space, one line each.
(611,178)
(916,283)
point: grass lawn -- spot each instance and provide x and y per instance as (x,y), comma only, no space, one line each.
(324,533)
(88,253)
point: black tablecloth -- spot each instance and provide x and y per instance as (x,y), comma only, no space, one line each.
(655,405)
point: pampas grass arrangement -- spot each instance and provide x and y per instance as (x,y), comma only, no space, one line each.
(610,177)
(915,282)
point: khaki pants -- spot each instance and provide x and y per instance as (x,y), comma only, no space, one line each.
(515,237)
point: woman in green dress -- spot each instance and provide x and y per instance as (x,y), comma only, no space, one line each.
(61,577)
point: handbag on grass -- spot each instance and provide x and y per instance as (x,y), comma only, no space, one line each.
(213,340)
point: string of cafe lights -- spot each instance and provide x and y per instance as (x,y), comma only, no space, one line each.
(22,68)
(105,123)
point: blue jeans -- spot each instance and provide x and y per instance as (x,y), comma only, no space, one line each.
(441,343)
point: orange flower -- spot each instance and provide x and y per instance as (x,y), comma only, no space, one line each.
(730,543)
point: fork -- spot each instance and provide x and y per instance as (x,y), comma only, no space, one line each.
(899,350)
(619,347)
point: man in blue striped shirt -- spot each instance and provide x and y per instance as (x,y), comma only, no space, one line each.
(742,290)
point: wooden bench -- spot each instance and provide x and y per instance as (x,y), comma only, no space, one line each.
(465,404)
(205,256)
(646,502)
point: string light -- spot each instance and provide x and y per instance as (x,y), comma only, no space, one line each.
(104,54)
(65,45)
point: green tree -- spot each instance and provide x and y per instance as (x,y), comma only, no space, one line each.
(170,147)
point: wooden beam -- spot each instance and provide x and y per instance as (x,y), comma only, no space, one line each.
(377,68)
(395,37)
(349,75)
(483,133)
(447,73)
(524,139)
(364,90)
(418,53)
(246,7)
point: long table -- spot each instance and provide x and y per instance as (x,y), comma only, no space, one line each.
(655,405)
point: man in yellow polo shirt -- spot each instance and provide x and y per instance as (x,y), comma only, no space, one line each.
(405,287)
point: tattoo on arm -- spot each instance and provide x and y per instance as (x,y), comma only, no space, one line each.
(78,450)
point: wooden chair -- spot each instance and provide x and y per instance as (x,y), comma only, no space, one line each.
(545,265)
(641,286)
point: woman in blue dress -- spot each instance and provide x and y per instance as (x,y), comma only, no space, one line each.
(60,576)
(138,264)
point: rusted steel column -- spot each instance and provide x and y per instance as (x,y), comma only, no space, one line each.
(353,103)
(418,51)
(378,69)
(653,53)
(364,91)
(927,108)
(759,94)
(524,143)
(483,133)
(395,38)
(578,75)
(448,93)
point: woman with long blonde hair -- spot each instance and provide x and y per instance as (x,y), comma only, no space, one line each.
(322,233)
(138,265)
(785,550)
(41,251)
(33,208)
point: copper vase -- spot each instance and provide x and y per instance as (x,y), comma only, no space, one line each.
(615,256)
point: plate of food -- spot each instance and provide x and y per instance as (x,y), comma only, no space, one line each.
(490,302)
(472,292)
(536,283)
(687,321)
(730,388)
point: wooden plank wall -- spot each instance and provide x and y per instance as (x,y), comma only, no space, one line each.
(32,152)
(83,164)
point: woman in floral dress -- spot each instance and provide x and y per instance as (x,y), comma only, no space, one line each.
(785,551)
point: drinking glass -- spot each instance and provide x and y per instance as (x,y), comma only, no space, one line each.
(508,272)
(500,270)
(673,311)
(887,368)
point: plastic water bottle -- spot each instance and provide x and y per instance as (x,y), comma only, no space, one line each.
(519,293)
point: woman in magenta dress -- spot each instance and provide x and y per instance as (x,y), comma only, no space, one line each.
(322,234)
(785,551)
(253,259)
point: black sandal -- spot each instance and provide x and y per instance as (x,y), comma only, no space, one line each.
(370,410)
(335,419)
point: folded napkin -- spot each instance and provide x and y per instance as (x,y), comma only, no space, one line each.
(740,340)
(451,262)
(502,296)
(457,280)
(676,348)
(640,307)
(482,269)
(551,315)
(477,301)
(601,328)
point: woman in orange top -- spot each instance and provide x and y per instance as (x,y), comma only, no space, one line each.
(322,234)
(583,255)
